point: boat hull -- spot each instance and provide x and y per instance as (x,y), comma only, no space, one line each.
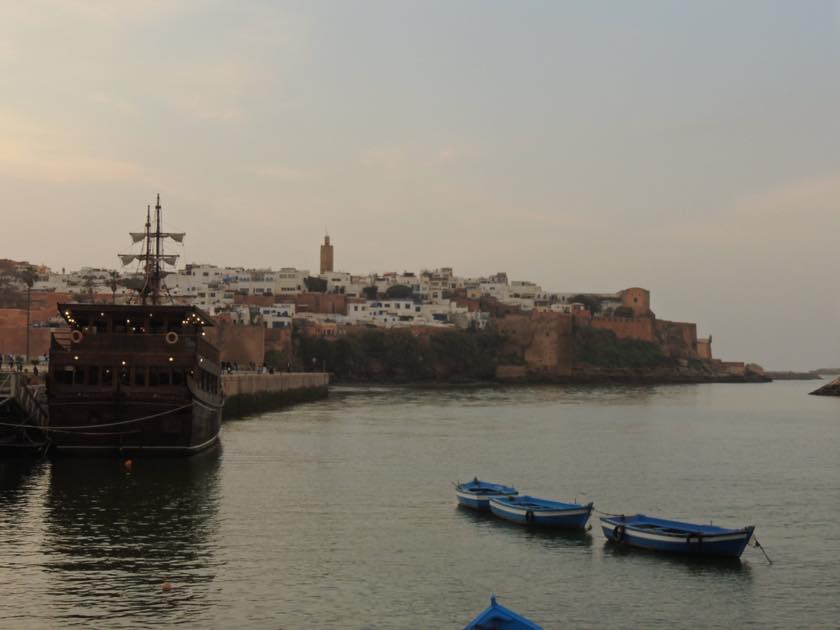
(476,494)
(724,545)
(574,518)
(174,427)
(475,501)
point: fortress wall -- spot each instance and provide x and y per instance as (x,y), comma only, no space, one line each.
(543,340)
(241,344)
(642,328)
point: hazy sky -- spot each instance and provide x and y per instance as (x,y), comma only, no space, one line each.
(690,148)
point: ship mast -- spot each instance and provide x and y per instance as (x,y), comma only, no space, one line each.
(153,272)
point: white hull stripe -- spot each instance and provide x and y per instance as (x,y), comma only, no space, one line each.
(537,512)
(477,497)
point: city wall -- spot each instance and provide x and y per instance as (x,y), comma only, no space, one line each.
(542,339)
(643,328)
(238,344)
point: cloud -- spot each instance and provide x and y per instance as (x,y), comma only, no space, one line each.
(38,151)
(283,173)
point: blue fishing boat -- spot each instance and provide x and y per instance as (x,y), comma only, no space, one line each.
(497,617)
(648,532)
(534,511)
(476,494)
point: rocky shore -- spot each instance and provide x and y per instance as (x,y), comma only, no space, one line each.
(829,389)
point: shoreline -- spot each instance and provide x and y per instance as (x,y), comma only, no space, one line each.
(529,381)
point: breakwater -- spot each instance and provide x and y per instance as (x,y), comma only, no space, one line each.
(251,393)
(829,389)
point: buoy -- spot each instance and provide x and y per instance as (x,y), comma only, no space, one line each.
(166,586)
(128,463)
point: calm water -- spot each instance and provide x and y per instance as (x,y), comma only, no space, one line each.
(341,514)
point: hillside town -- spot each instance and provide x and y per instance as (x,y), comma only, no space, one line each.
(257,312)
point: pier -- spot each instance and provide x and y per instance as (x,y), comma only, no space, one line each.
(23,411)
(247,393)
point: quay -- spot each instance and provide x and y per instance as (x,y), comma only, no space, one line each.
(252,392)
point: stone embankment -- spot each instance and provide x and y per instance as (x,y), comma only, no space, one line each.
(251,392)
(793,376)
(830,389)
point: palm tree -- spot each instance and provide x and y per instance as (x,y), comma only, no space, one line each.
(114,277)
(28,276)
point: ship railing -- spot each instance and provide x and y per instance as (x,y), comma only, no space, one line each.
(126,342)
(27,398)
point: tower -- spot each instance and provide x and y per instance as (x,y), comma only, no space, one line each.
(326,255)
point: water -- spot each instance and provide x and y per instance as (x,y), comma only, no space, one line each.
(342,514)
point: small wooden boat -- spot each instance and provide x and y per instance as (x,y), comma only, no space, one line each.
(648,532)
(497,617)
(476,494)
(543,512)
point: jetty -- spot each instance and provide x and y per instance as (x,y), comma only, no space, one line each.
(252,392)
(23,411)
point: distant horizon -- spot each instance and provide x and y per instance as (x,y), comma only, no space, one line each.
(689,148)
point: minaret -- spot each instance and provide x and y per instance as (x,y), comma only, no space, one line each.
(326,255)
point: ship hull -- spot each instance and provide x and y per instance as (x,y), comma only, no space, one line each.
(151,426)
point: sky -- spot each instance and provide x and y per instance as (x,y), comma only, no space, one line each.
(689,148)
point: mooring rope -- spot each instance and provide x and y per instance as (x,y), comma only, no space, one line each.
(95,426)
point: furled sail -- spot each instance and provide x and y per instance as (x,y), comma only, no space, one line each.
(127,258)
(169,260)
(136,237)
(177,236)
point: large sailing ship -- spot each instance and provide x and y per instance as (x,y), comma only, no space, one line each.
(135,377)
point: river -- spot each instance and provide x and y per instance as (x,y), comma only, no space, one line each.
(341,513)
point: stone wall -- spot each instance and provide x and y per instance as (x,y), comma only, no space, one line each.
(542,339)
(13,340)
(252,393)
(642,328)
(677,339)
(240,344)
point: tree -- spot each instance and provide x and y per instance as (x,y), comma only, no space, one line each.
(28,276)
(114,277)
(399,292)
(370,292)
(592,304)
(315,285)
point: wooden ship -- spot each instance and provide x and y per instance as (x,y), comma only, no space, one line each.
(135,377)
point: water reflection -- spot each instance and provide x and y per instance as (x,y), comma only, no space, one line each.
(113,535)
(545,536)
(17,477)
(693,565)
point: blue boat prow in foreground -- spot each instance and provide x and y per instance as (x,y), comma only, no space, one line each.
(497,617)
(659,534)
(476,494)
(542,512)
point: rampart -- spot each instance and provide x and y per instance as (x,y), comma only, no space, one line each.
(240,344)
(542,339)
(642,328)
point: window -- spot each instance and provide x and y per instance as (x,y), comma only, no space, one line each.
(140,376)
(125,376)
(63,375)
(178,377)
(93,375)
(107,376)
